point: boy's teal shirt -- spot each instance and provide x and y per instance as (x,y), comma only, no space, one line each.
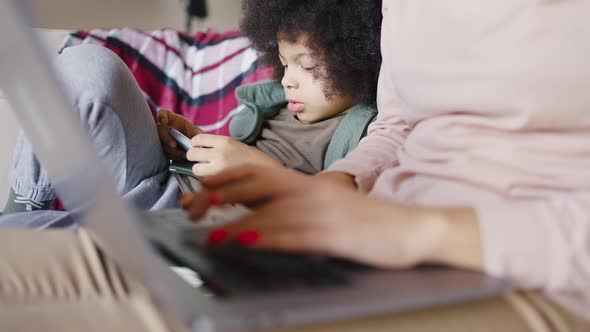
(264,100)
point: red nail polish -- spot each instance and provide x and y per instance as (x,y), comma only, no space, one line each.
(213,199)
(248,238)
(217,236)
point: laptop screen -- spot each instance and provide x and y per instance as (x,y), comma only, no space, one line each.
(29,84)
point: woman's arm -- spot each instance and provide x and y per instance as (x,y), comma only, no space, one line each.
(540,243)
(460,239)
(377,150)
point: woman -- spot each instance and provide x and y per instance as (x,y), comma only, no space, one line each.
(479,157)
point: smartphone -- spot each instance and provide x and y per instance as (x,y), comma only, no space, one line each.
(183,142)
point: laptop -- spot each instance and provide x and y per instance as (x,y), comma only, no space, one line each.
(292,289)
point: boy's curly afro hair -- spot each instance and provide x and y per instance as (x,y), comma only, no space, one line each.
(344,34)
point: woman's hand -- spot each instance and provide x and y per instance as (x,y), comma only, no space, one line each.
(338,178)
(298,213)
(215,153)
(180,123)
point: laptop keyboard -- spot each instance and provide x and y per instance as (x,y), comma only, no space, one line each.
(235,271)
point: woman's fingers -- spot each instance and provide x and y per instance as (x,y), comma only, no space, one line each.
(298,214)
(262,230)
(227,187)
(195,204)
(253,184)
(229,176)
(252,191)
(284,240)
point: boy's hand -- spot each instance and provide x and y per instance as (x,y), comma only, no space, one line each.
(180,123)
(216,153)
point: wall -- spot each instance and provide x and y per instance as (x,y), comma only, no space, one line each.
(144,14)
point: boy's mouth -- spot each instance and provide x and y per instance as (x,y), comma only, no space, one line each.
(295,106)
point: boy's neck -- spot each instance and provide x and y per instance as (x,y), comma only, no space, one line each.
(332,117)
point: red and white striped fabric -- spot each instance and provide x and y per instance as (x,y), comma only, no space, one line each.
(195,76)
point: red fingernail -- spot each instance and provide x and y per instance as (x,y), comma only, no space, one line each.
(213,199)
(248,238)
(217,236)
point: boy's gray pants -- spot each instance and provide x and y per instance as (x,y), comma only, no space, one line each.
(114,112)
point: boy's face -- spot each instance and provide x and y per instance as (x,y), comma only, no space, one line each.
(304,93)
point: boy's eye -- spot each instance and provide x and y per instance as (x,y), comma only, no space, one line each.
(309,68)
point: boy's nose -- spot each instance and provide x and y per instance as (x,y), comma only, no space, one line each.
(288,81)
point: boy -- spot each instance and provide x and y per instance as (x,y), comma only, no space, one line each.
(320,103)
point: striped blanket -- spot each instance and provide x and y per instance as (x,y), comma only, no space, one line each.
(195,76)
